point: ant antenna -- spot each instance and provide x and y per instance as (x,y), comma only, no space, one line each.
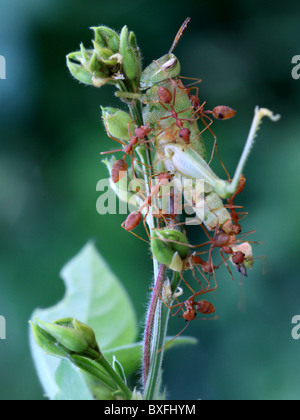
(179,34)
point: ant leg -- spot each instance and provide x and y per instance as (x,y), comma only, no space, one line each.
(145,224)
(200,271)
(186,283)
(195,81)
(133,233)
(225,262)
(239,189)
(174,338)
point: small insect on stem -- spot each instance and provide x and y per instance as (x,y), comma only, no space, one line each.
(203,307)
(235,228)
(225,241)
(133,220)
(194,262)
(221,112)
(135,217)
(191,307)
(119,169)
(166,98)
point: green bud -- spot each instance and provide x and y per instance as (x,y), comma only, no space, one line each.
(116,123)
(85,66)
(46,341)
(107,38)
(94,67)
(130,55)
(108,57)
(170,248)
(87,333)
(176,263)
(134,46)
(176,236)
(85,57)
(71,334)
(77,70)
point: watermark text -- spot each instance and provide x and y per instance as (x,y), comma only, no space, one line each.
(296,328)
(176,198)
(296,68)
(2,328)
(2,67)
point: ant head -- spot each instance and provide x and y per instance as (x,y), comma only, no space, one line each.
(236,229)
(142,132)
(238,257)
(165,178)
(189,314)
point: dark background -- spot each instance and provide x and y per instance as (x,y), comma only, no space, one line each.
(51,136)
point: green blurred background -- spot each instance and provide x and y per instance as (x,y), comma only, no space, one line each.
(51,136)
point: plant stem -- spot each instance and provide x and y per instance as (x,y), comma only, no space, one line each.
(158,313)
(101,361)
(155,337)
(149,337)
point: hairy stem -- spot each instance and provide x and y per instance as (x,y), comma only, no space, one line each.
(152,312)
(155,337)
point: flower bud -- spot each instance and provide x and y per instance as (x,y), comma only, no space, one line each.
(46,341)
(84,65)
(108,58)
(130,54)
(116,123)
(71,334)
(170,248)
(77,69)
(107,38)
(95,67)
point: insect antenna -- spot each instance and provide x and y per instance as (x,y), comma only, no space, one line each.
(179,34)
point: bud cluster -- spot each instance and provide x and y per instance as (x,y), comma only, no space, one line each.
(114,57)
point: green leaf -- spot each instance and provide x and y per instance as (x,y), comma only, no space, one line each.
(71,384)
(118,368)
(95,297)
(130,356)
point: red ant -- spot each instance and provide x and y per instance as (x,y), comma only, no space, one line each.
(120,166)
(225,241)
(165,97)
(220,112)
(135,217)
(204,307)
(235,227)
(191,307)
(207,267)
